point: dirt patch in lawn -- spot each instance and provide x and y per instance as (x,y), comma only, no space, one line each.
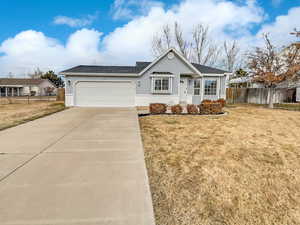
(15,114)
(243,168)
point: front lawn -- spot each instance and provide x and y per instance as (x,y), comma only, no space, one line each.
(288,106)
(18,113)
(242,168)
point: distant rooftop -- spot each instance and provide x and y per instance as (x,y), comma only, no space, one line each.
(20,81)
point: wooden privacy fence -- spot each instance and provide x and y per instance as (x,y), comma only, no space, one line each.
(60,94)
(255,95)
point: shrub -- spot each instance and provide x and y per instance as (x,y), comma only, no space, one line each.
(206,101)
(157,108)
(176,109)
(222,102)
(192,109)
(210,108)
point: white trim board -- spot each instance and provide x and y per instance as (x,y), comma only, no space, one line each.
(100,74)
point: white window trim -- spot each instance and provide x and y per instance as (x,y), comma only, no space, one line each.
(198,88)
(217,86)
(156,77)
(162,76)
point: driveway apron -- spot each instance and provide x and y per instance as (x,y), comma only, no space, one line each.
(82,166)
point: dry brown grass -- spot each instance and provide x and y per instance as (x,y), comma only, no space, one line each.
(14,114)
(243,168)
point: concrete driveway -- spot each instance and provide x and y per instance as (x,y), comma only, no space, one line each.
(82,166)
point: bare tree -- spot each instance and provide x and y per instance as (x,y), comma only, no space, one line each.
(167,35)
(182,44)
(36,74)
(205,51)
(231,51)
(199,48)
(162,41)
(271,66)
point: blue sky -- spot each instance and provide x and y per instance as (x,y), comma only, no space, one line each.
(19,15)
(102,28)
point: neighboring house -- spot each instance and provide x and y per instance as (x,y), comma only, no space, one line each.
(170,79)
(24,86)
(244,82)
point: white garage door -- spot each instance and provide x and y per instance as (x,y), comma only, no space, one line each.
(105,94)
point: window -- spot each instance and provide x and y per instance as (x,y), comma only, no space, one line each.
(196,87)
(161,85)
(210,87)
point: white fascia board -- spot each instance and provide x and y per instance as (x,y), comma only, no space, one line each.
(162,75)
(163,55)
(12,85)
(101,74)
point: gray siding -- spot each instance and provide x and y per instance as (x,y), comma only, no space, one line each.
(221,89)
(175,66)
(143,83)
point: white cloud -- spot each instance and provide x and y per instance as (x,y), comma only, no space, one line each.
(280,29)
(74,22)
(225,18)
(132,41)
(31,49)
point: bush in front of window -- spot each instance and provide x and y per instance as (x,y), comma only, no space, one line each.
(176,109)
(210,108)
(192,109)
(157,108)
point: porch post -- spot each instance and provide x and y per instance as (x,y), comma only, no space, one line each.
(5,91)
(18,90)
(12,91)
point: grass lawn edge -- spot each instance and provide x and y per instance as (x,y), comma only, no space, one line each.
(26,120)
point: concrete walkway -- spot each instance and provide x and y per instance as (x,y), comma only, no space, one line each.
(82,166)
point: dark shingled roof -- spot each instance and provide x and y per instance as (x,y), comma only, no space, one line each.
(132,69)
(142,64)
(207,69)
(168,73)
(104,69)
(20,81)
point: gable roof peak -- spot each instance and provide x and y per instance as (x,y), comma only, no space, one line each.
(166,53)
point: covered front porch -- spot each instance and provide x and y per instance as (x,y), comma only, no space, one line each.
(10,90)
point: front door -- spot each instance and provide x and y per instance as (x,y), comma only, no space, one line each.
(183,89)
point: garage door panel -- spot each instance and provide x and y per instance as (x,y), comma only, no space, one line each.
(105,94)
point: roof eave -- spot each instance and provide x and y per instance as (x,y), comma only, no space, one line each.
(214,74)
(99,74)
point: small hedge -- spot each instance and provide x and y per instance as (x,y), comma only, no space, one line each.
(192,109)
(222,101)
(176,109)
(157,108)
(206,101)
(208,108)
